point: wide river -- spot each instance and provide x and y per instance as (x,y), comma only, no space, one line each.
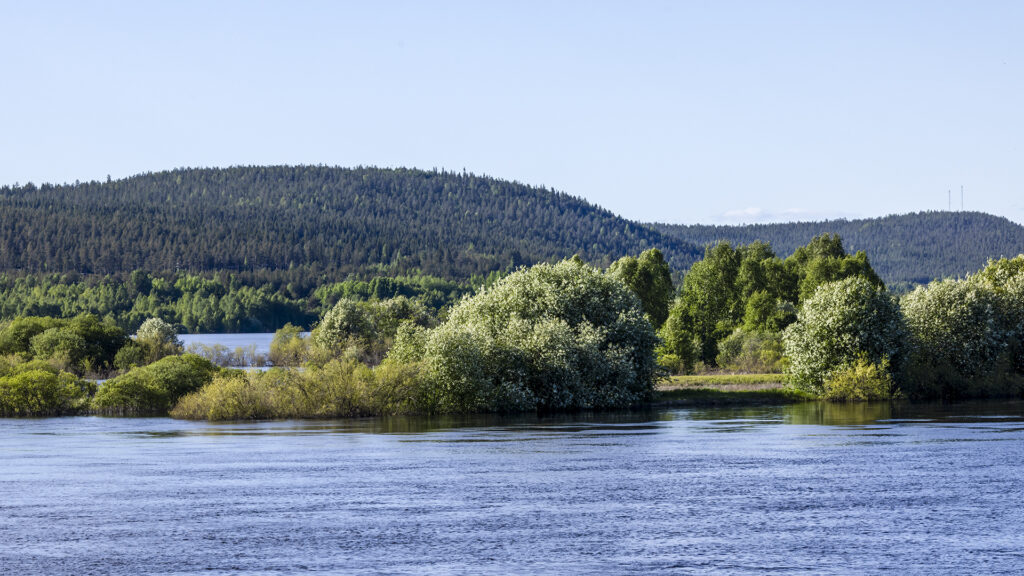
(806,489)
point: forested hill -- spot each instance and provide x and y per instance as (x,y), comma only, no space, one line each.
(906,248)
(307,225)
(276,223)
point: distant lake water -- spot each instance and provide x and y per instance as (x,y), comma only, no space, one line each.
(805,489)
(261,340)
(254,344)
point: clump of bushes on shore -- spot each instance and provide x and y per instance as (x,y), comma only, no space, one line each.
(951,339)
(553,337)
(364,330)
(38,389)
(341,388)
(840,324)
(155,388)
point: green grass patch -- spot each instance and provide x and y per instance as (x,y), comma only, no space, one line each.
(715,380)
(713,397)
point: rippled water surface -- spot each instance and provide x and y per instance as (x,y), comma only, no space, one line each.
(808,489)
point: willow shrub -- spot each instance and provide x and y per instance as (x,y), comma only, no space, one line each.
(840,323)
(967,336)
(38,389)
(341,388)
(364,329)
(862,381)
(153,389)
(552,337)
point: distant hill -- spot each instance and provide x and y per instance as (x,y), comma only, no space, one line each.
(305,225)
(282,223)
(913,248)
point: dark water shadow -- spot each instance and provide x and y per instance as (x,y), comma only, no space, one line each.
(860,414)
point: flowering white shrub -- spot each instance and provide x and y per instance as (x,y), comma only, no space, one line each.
(956,322)
(558,336)
(157,331)
(840,323)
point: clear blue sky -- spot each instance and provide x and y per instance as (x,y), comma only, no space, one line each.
(670,111)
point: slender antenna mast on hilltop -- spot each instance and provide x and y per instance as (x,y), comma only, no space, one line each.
(961,197)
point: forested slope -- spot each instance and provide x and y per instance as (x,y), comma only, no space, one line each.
(304,226)
(905,248)
(282,223)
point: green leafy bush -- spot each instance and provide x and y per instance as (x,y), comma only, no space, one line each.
(289,347)
(31,390)
(966,335)
(864,380)
(365,330)
(341,388)
(158,339)
(650,278)
(840,323)
(678,349)
(757,352)
(83,344)
(561,336)
(153,389)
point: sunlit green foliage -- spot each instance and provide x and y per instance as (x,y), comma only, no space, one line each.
(966,335)
(366,329)
(197,303)
(153,389)
(711,297)
(650,278)
(839,324)
(824,260)
(83,344)
(755,352)
(550,337)
(861,381)
(750,287)
(956,322)
(289,347)
(905,249)
(158,339)
(339,389)
(39,389)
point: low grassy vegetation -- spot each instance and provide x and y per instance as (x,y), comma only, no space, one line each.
(340,389)
(731,381)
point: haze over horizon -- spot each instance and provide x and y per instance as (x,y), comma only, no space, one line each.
(658,111)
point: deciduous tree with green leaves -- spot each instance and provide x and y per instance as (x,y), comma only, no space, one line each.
(650,278)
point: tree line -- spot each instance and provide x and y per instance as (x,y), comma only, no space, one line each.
(210,302)
(905,250)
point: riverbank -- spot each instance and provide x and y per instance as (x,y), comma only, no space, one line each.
(727,390)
